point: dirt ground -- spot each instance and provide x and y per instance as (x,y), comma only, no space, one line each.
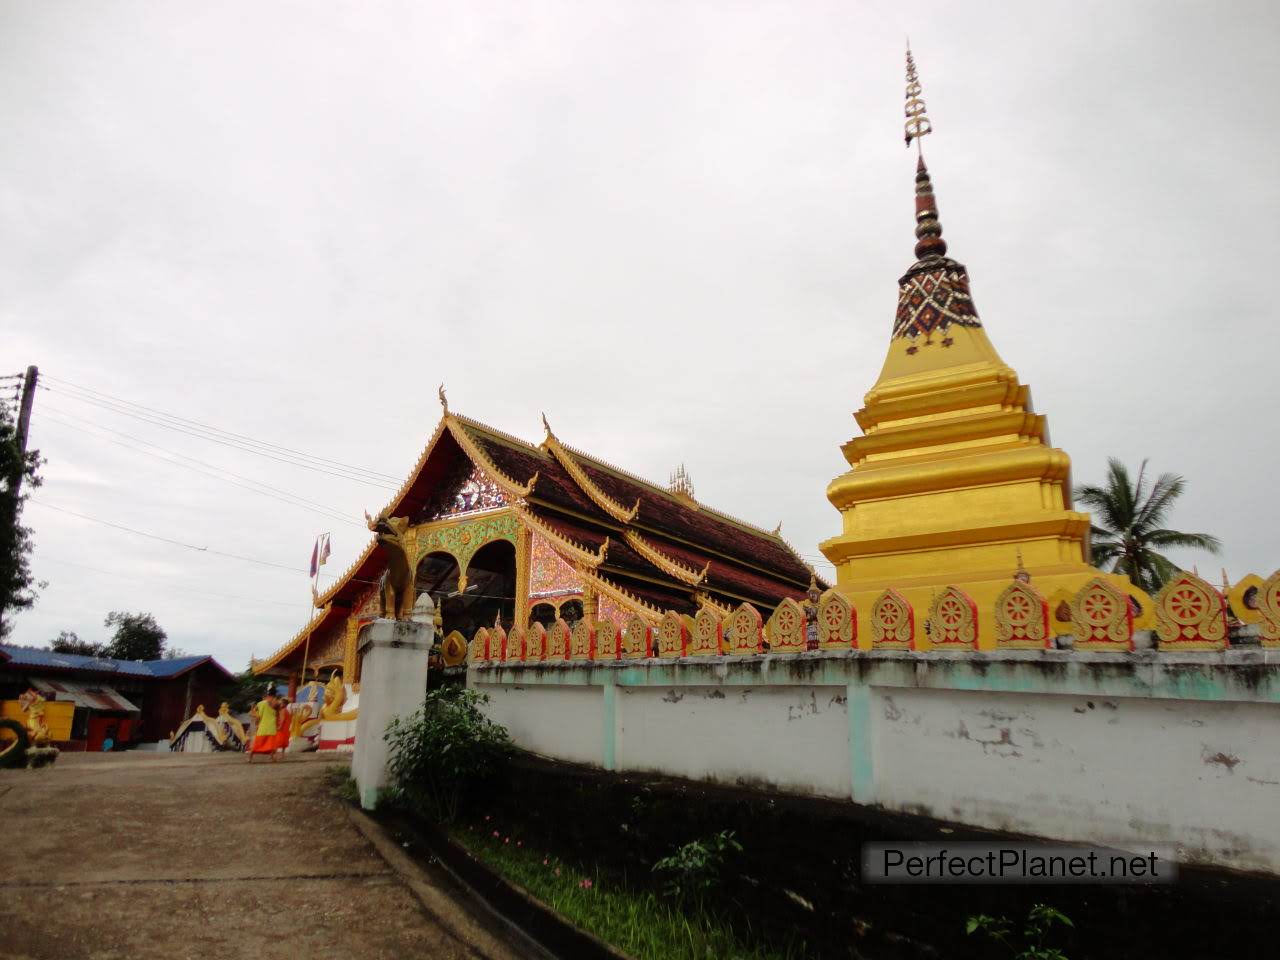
(138,855)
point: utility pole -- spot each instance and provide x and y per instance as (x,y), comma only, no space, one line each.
(24,424)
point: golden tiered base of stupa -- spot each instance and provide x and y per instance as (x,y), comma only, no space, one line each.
(954,483)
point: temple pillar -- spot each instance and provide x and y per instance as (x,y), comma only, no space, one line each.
(523,548)
(394,678)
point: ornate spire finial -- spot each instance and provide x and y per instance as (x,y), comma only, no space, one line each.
(680,484)
(546,426)
(918,124)
(444,401)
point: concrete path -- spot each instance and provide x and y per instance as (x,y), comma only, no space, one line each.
(139,855)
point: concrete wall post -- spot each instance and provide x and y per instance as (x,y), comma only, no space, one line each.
(393,684)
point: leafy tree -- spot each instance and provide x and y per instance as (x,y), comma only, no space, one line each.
(17,588)
(69,642)
(1129,525)
(137,636)
(245,690)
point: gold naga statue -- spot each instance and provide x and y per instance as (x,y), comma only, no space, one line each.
(32,705)
(335,695)
(397,584)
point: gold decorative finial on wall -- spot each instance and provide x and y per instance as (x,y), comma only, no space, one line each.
(918,124)
(444,401)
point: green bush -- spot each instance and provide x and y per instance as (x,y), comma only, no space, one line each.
(446,752)
(697,867)
(1034,933)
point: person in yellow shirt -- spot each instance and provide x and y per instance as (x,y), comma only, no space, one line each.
(264,737)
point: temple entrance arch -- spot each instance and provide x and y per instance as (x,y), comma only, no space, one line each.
(488,592)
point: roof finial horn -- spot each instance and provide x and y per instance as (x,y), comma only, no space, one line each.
(444,401)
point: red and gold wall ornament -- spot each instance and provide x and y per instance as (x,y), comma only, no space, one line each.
(837,622)
(582,644)
(479,651)
(707,637)
(786,628)
(893,622)
(1268,600)
(515,643)
(1191,615)
(1022,618)
(608,639)
(673,635)
(558,640)
(746,630)
(535,643)
(1102,617)
(637,639)
(953,619)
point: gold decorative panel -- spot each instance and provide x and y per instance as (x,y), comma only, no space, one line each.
(1191,615)
(1022,618)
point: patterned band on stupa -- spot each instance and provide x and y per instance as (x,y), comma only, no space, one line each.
(934,293)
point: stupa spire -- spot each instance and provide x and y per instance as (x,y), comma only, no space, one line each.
(918,125)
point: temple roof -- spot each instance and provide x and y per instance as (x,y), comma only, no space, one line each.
(650,547)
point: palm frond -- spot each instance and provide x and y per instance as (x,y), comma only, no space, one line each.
(1160,570)
(1102,503)
(1166,489)
(1175,538)
(1124,490)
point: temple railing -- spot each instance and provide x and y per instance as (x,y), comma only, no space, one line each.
(1188,614)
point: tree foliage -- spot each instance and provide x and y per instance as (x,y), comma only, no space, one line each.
(18,589)
(69,642)
(137,636)
(1129,529)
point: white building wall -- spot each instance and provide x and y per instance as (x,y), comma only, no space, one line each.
(791,738)
(556,721)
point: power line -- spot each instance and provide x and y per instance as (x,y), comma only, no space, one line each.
(125,576)
(228,433)
(179,543)
(343,472)
(275,493)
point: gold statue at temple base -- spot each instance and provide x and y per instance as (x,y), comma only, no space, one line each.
(335,695)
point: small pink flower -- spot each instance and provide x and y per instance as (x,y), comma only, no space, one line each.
(544,862)
(519,843)
(495,833)
(486,817)
(585,884)
(506,839)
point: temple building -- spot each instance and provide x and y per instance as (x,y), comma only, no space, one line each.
(499,530)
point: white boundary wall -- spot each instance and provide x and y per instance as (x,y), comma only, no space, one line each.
(1123,749)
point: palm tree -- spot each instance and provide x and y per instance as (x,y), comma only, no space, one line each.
(1129,525)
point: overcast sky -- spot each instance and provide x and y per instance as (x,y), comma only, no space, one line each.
(676,228)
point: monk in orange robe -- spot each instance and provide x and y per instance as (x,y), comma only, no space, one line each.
(264,737)
(283,713)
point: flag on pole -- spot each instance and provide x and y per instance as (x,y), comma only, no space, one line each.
(319,554)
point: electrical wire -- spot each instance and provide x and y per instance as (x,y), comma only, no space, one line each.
(275,493)
(363,477)
(204,426)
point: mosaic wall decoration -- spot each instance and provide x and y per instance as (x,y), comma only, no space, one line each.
(893,622)
(837,622)
(953,619)
(746,631)
(1268,600)
(707,637)
(1191,615)
(608,610)
(558,641)
(673,635)
(462,540)
(1021,617)
(1101,617)
(549,574)
(608,640)
(582,644)
(932,300)
(786,628)
(637,639)
(535,643)
(464,489)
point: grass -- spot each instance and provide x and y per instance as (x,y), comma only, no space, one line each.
(636,922)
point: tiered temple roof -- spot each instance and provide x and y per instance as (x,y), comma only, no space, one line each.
(647,547)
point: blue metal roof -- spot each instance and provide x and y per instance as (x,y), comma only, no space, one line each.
(37,658)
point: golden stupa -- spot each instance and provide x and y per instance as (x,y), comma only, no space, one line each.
(953,482)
